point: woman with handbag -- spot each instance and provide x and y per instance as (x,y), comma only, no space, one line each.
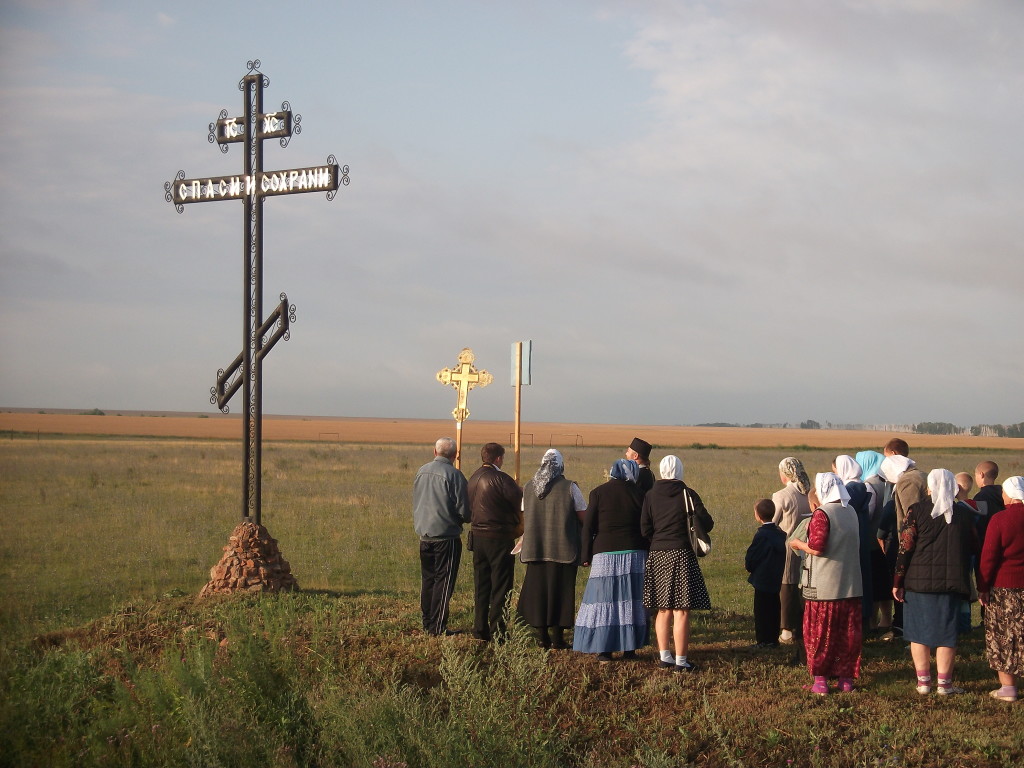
(673,583)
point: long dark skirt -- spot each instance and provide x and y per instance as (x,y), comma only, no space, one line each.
(548,596)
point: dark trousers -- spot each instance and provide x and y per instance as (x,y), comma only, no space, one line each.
(493,570)
(792,609)
(767,614)
(439,567)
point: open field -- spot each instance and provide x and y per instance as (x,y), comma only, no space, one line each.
(425,431)
(106,658)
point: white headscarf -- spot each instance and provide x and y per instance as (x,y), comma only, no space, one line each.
(671,468)
(894,466)
(1014,487)
(830,488)
(847,468)
(942,487)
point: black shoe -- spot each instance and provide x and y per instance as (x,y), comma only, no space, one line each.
(604,658)
(629,656)
(667,665)
(686,666)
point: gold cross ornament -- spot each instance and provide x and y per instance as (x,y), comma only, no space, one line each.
(464,377)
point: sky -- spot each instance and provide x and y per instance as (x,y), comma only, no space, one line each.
(718,211)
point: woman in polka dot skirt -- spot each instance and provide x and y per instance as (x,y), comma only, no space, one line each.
(673,582)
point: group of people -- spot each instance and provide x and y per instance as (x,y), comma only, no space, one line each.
(875,544)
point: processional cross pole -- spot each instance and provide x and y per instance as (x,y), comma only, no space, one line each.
(252,187)
(463,377)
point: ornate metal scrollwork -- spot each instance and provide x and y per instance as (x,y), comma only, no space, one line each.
(212,138)
(169,191)
(332,160)
(296,124)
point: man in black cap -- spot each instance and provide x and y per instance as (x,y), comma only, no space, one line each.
(640,452)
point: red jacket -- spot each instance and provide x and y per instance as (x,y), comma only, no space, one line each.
(1002,557)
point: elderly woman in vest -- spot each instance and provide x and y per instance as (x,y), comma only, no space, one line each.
(832,586)
(791,508)
(1001,588)
(553,510)
(936,543)
(673,583)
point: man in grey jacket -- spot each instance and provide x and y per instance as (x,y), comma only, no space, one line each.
(439,510)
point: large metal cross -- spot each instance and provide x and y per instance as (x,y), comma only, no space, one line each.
(255,184)
(463,377)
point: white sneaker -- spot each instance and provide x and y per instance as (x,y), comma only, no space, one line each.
(924,689)
(948,690)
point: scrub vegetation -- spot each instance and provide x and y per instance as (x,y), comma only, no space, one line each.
(107,658)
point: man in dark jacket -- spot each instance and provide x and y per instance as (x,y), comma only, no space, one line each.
(495,502)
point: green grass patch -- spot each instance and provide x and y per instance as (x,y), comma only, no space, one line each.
(106,658)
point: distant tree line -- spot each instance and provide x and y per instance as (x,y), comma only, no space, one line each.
(998,430)
(922,428)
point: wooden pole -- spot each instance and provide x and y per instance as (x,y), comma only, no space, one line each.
(519,401)
(458,444)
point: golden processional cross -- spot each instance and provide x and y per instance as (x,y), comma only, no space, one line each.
(463,377)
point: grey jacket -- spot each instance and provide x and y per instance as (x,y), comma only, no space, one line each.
(439,502)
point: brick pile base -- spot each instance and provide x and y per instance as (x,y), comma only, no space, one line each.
(251,563)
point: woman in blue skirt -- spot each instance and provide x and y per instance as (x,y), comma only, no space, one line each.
(936,544)
(612,616)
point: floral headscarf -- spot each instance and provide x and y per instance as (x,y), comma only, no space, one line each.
(830,488)
(793,470)
(625,469)
(552,467)
(671,468)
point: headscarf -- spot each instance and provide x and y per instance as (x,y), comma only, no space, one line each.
(847,468)
(894,466)
(671,468)
(942,487)
(552,467)
(830,488)
(793,470)
(625,469)
(1014,487)
(869,462)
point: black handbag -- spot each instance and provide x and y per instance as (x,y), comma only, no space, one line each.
(700,540)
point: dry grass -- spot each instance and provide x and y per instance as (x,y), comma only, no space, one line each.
(425,431)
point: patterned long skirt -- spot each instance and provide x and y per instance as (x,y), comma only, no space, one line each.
(612,616)
(673,581)
(1004,630)
(833,634)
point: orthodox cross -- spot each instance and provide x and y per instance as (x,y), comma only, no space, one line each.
(258,336)
(463,377)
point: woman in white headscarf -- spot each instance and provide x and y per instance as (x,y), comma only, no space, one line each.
(832,586)
(553,510)
(936,543)
(791,508)
(673,583)
(849,472)
(1001,589)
